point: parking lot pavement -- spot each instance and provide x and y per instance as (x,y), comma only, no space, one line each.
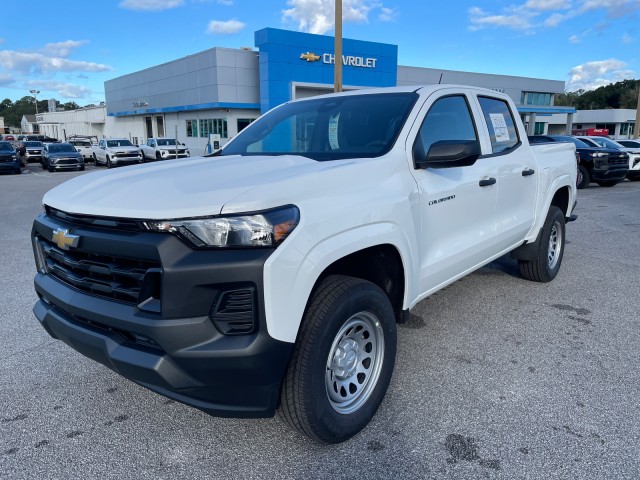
(496,377)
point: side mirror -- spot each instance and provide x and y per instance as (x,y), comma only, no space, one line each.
(450,153)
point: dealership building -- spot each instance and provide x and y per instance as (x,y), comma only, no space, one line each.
(212,95)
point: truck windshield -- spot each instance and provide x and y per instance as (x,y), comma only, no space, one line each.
(165,142)
(328,128)
(61,148)
(119,143)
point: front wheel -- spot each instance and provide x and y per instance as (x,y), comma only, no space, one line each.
(545,264)
(342,362)
(583,177)
(109,165)
(608,183)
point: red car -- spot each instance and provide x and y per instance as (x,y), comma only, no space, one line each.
(9,137)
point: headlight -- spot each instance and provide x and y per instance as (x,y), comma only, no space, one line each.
(599,154)
(265,229)
(14,157)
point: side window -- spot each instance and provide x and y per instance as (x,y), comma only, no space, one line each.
(448,118)
(502,128)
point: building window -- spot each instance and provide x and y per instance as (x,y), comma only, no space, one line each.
(213,126)
(192,128)
(539,128)
(626,129)
(535,98)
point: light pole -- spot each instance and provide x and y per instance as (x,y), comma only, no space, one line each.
(35,96)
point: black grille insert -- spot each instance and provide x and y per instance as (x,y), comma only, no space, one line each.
(100,222)
(106,276)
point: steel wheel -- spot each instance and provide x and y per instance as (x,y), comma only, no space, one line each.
(355,359)
(555,245)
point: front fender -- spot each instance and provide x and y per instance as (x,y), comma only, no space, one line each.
(289,275)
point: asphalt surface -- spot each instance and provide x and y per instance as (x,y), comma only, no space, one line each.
(496,377)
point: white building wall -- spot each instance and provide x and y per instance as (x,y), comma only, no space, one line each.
(84,121)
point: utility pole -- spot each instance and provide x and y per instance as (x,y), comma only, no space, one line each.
(337,63)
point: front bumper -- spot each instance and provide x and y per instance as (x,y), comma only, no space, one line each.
(612,173)
(13,166)
(176,351)
(126,160)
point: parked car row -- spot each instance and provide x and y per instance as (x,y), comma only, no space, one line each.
(601,160)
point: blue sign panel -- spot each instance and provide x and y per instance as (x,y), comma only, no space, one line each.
(287,57)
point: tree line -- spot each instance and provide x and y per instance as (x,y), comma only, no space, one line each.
(622,94)
(13,111)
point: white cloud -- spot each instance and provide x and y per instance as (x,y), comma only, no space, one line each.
(317,16)
(6,79)
(228,3)
(62,49)
(65,90)
(517,20)
(614,8)
(387,14)
(547,4)
(574,39)
(150,5)
(26,63)
(217,27)
(525,16)
(591,75)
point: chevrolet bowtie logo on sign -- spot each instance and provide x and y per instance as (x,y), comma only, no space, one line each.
(310,57)
(64,239)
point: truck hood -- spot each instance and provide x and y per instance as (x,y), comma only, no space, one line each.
(191,187)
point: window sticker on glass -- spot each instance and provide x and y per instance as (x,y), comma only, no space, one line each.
(333,132)
(499,127)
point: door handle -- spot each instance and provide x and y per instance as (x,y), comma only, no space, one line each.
(487,182)
(527,172)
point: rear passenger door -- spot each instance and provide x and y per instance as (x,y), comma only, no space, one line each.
(456,204)
(517,172)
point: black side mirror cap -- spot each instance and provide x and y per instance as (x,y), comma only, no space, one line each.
(451,153)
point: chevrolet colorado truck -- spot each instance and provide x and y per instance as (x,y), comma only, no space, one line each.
(114,152)
(271,276)
(163,149)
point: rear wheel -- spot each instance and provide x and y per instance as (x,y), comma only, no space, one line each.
(583,177)
(546,262)
(608,183)
(342,362)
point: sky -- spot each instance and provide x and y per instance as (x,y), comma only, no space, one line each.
(67,50)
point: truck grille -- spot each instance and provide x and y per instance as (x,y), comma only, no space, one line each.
(127,155)
(112,277)
(622,159)
(90,221)
(66,161)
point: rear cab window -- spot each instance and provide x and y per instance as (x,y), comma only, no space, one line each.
(500,123)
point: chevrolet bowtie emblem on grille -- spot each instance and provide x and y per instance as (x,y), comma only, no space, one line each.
(64,239)
(310,57)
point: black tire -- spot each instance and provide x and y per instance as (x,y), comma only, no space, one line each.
(547,260)
(81,168)
(583,177)
(634,179)
(109,165)
(95,159)
(42,165)
(51,169)
(607,183)
(158,156)
(343,311)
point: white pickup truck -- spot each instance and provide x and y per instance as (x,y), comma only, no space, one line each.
(272,275)
(163,149)
(114,152)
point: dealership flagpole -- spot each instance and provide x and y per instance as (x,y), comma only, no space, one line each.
(337,63)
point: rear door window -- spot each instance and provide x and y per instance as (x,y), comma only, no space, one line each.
(502,127)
